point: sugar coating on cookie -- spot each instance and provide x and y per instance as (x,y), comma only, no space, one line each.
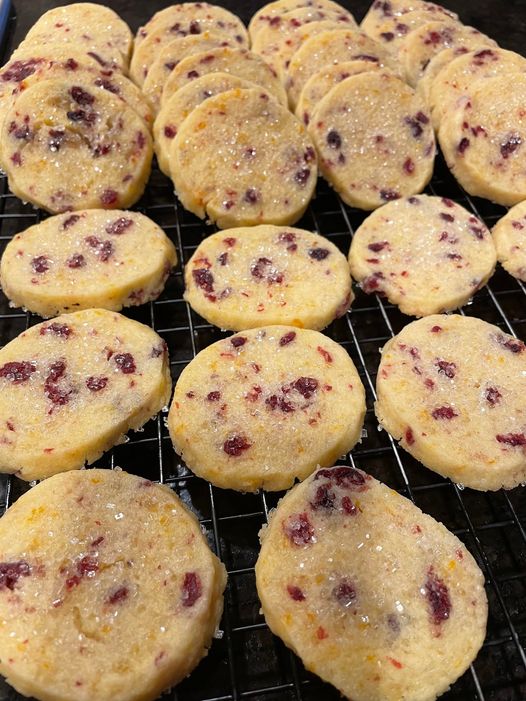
(242,159)
(239,62)
(433,68)
(451,390)
(509,235)
(93,258)
(275,12)
(348,564)
(483,139)
(394,10)
(248,277)
(67,146)
(181,104)
(426,254)
(72,387)
(265,407)
(374,139)
(109,589)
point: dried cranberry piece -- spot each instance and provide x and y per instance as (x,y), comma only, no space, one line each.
(444,412)
(77,260)
(223,258)
(295,593)
(513,439)
(125,362)
(24,132)
(510,145)
(492,395)
(238,341)
(191,589)
(119,226)
(97,58)
(235,445)
(389,195)
(109,197)
(409,437)
(82,116)
(80,96)
(372,282)
(324,498)
(275,402)
(71,64)
(107,85)
(70,221)
(414,124)
(18,371)
(40,264)
(309,155)
(512,344)
(194,27)
(301,176)
(436,329)
(409,166)
(445,368)
(95,384)
(214,396)
(334,140)
(103,249)
(204,279)
(20,70)
(438,598)
(306,386)
(192,74)
(10,573)
(344,592)
(251,195)
(299,529)
(57,395)
(387,36)
(345,477)
(56,371)
(287,338)
(463,144)
(87,566)
(118,596)
(378,246)
(62,330)
(348,507)
(264,268)
(318,253)
(170,132)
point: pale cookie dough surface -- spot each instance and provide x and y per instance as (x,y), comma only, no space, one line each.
(483,139)
(66,146)
(72,387)
(347,564)
(265,407)
(239,62)
(248,277)
(394,11)
(170,56)
(109,590)
(425,254)
(275,12)
(451,389)
(420,45)
(181,104)
(509,235)
(320,83)
(240,158)
(433,68)
(181,20)
(93,258)
(329,48)
(374,139)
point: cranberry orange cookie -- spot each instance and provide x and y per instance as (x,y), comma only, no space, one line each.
(72,388)
(509,235)
(348,564)
(394,10)
(374,139)
(66,146)
(243,278)
(264,408)
(451,389)
(109,590)
(274,12)
(93,258)
(425,254)
(483,139)
(241,159)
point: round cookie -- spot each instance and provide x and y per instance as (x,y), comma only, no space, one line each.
(72,388)
(323,81)
(170,56)
(451,256)
(66,146)
(264,408)
(240,159)
(483,138)
(509,235)
(94,258)
(348,564)
(451,389)
(374,139)
(393,10)
(329,48)
(274,12)
(433,68)
(239,62)
(109,590)
(181,104)
(248,277)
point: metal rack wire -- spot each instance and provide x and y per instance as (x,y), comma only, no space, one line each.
(248,662)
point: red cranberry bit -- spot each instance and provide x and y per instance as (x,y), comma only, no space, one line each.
(385,7)
(263,268)
(251,196)
(513,439)
(87,567)
(23,132)
(82,116)
(20,70)
(140,140)
(97,58)
(125,362)
(214,396)
(170,131)
(80,96)
(16,158)
(107,85)
(295,593)
(438,599)
(318,253)
(97,541)
(445,368)
(492,395)
(348,507)
(71,64)
(463,144)
(510,145)
(334,140)
(387,36)
(299,529)
(56,395)
(372,282)
(204,279)
(230,241)
(77,260)
(415,125)
(287,338)
(409,437)
(119,226)
(324,498)
(512,344)
(235,445)
(302,176)
(40,264)
(95,384)
(324,354)
(447,217)
(103,249)
(238,341)
(306,386)
(70,221)
(56,370)
(275,402)
(55,329)
(344,593)
(10,573)
(18,372)
(118,596)
(192,74)
(194,27)
(378,246)
(345,477)
(309,155)
(436,329)
(444,412)
(409,166)
(109,197)
(388,195)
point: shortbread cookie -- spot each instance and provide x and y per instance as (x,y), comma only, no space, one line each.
(261,275)
(320,83)
(425,254)
(264,408)
(240,158)
(483,139)
(244,64)
(109,590)
(509,235)
(348,566)
(66,146)
(178,21)
(451,389)
(394,10)
(329,48)
(374,139)
(93,258)
(182,102)
(170,56)
(433,68)
(420,45)
(72,387)
(274,12)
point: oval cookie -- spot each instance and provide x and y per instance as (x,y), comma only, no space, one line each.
(239,394)
(451,256)
(248,277)
(93,258)
(66,146)
(381,11)
(72,387)
(348,564)
(509,235)
(374,139)
(274,12)
(451,390)
(242,159)
(109,590)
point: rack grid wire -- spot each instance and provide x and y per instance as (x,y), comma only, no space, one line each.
(247,661)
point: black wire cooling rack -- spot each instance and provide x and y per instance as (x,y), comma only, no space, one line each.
(248,662)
